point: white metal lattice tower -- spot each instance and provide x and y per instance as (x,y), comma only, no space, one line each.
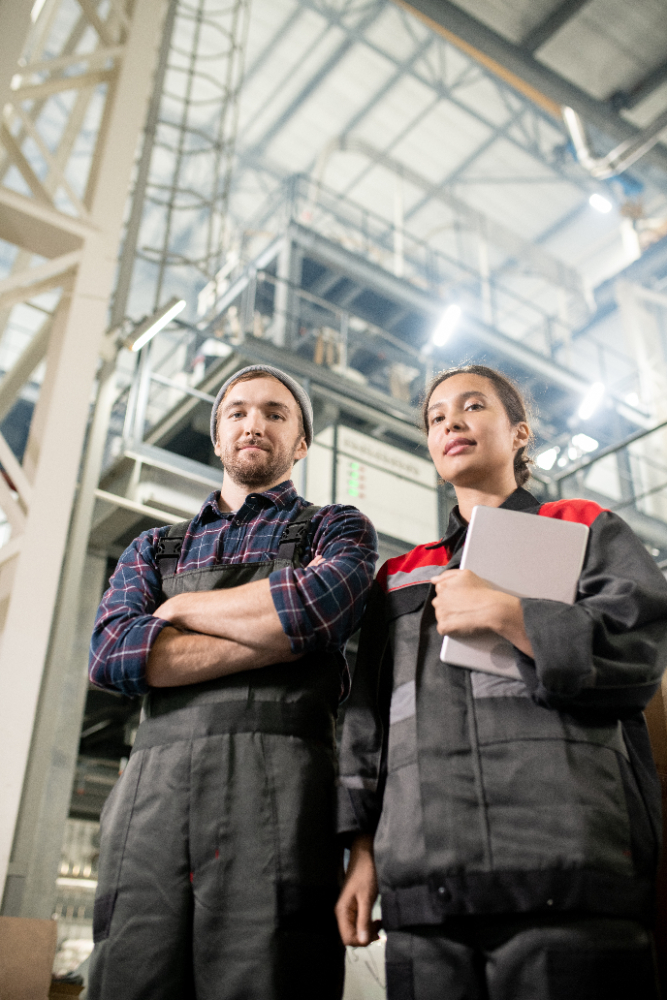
(78,105)
(75,107)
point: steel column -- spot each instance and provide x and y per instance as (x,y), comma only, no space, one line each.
(58,429)
(14,27)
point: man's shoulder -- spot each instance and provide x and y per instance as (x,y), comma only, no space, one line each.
(143,547)
(338,512)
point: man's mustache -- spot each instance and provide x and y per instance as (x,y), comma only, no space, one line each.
(252,443)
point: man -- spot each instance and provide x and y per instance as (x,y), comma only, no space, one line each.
(218,864)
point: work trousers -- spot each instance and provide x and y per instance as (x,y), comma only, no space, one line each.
(218,874)
(522,958)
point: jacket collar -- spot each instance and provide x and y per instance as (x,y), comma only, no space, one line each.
(520,500)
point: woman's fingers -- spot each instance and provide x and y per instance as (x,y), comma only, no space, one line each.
(364,923)
(346,915)
(353,913)
(355,904)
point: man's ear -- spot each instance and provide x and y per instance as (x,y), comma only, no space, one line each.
(301,450)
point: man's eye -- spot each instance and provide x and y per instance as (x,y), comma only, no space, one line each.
(474,406)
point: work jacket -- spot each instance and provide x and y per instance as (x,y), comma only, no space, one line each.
(490,795)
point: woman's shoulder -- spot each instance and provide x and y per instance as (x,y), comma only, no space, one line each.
(573,509)
(417,566)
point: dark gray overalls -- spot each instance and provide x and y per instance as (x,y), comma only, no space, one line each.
(219,868)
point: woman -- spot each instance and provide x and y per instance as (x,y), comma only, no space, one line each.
(514,825)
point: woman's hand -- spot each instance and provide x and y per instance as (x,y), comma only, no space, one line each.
(355,904)
(464,603)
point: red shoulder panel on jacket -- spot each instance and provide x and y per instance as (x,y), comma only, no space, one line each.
(580,511)
(416,566)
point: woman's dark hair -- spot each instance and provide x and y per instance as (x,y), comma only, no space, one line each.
(514,404)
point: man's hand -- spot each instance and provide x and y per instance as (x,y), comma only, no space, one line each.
(355,904)
(464,603)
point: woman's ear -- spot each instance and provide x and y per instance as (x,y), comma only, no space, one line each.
(521,435)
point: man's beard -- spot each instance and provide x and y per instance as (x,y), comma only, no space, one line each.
(262,469)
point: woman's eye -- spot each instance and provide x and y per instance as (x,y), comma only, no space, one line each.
(474,406)
(437,419)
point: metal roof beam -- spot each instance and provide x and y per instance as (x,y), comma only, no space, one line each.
(401,69)
(631,98)
(270,46)
(447,93)
(317,79)
(547,28)
(457,174)
(522,71)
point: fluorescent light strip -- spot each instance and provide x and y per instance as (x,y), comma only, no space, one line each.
(447,325)
(77,883)
(158,324)
(591,401)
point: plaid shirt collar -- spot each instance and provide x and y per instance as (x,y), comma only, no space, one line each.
(281,496)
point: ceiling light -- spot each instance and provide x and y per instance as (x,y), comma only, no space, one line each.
(147,330)
(585,443)
(547,458)
(600,203)
(446,326)
(591,401)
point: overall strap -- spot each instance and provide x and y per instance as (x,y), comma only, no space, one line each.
(293,538)
(169,547)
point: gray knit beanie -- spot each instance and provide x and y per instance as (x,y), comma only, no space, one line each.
(297,391)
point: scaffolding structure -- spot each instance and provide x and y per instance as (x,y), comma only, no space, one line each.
(77,79)
(91,79)
(177,234)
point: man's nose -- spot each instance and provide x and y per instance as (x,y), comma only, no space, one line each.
(253,425)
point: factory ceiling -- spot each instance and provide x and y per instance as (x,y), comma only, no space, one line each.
(465,97)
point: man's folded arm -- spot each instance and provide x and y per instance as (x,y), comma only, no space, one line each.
(132,649)
(125,629)
(320,606)
(178,658)
(295,610)
(267,621)
(244,614)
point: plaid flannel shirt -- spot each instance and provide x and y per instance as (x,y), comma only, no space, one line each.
(319,608)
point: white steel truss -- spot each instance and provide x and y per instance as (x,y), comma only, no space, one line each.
(76,106)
